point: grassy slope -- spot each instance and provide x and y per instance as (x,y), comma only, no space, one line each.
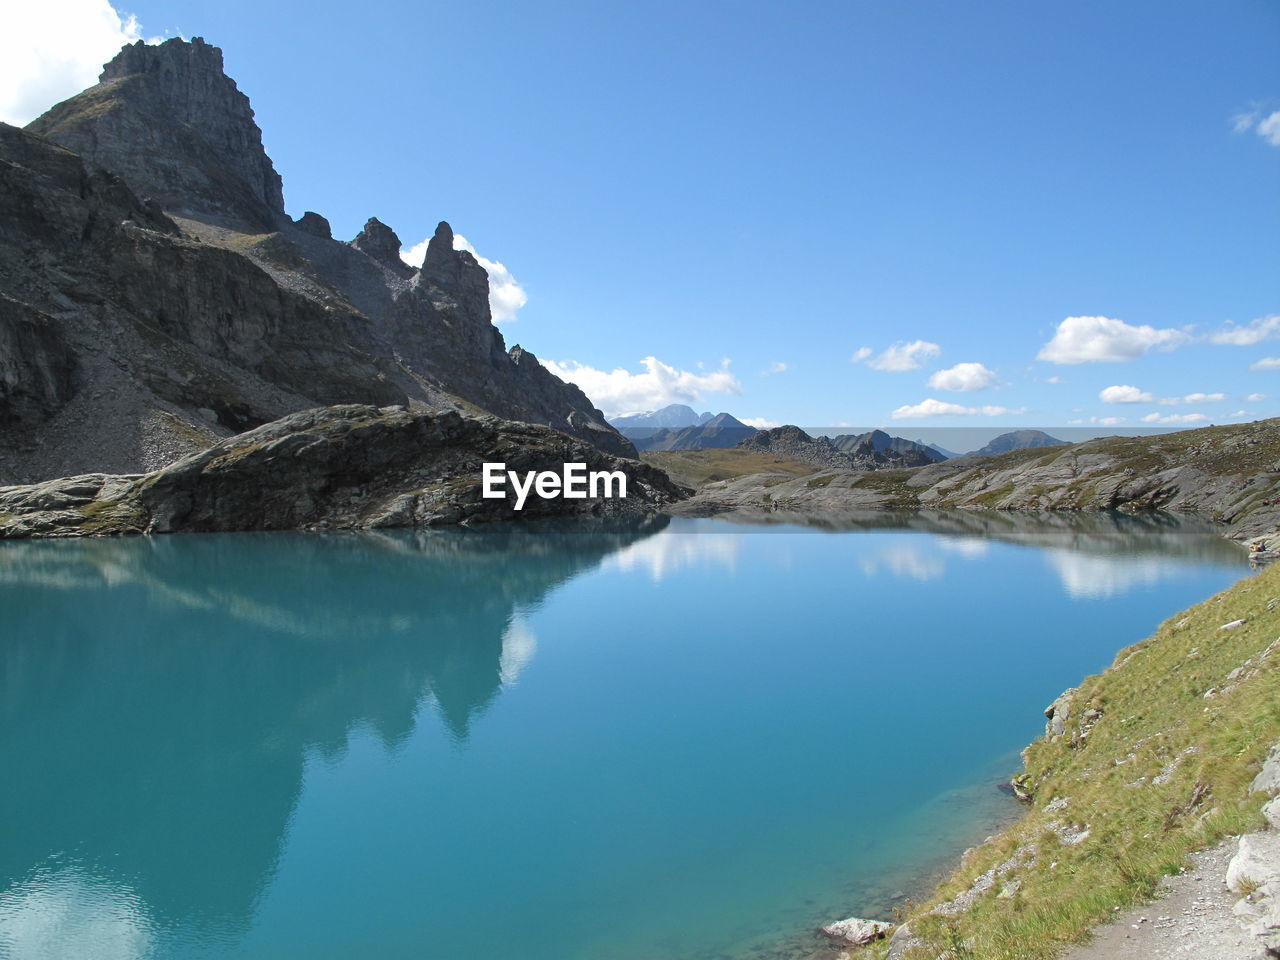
(1158,720)
(696,467)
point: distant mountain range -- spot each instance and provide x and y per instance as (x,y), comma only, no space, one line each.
(675,416)
(680,427)
(716,433)
(881,442)
(1016,440)
(875,450)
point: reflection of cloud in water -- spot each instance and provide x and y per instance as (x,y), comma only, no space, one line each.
(904,560)
(518,647)
(673,552)
(965,546)
(1086,576)
(67,914)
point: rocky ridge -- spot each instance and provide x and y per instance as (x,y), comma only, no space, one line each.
(861,453)
(341,467)
(1230,475)
(155,297)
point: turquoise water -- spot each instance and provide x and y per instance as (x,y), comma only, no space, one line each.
(693,740)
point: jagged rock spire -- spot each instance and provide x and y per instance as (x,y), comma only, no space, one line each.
(440,253)
(380,242)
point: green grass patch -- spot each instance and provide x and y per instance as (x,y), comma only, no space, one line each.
(1154,762)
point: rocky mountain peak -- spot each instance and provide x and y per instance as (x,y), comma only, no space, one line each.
(440,252)
(152,263)
(380,242)
(178,129)
(456,270)
(314,224)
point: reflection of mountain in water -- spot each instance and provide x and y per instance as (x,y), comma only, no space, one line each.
(185,679)
(1093,532)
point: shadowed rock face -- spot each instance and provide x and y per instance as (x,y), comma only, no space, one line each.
(162,300)
(335,468)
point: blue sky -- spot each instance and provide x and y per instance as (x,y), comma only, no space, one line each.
(784,186)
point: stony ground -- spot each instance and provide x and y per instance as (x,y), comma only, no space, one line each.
(1192,919)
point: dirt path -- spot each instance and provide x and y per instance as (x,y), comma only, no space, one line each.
(1192,919)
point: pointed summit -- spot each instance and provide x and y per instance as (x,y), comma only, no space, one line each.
(440,253)
(381,243)
(178,130)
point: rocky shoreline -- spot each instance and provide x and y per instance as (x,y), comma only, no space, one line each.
(1229,476)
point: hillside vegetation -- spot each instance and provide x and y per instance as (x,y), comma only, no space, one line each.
(693,468)
(1140,765)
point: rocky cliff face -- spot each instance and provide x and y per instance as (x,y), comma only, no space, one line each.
(176,126)
(154,297)
(341,467)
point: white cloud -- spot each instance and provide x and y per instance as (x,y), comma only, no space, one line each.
(860,354)
(760,423)
(1269,129)
(1255,398)
(1095,577)
(971,547)
(1105,340)
(1262,328)
(506,296)
(1123,393)
(414,255)
(54,49)
(901,356)
(1175,418)
(1266,363)
(904,561)
(963,377)
(73,914)
(1054,380)
(519,644)
(618,392)
(1197,398)
(1108,421)
(776,367)
(1239,413)
(1244,121)
(673,552)
(941,408)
